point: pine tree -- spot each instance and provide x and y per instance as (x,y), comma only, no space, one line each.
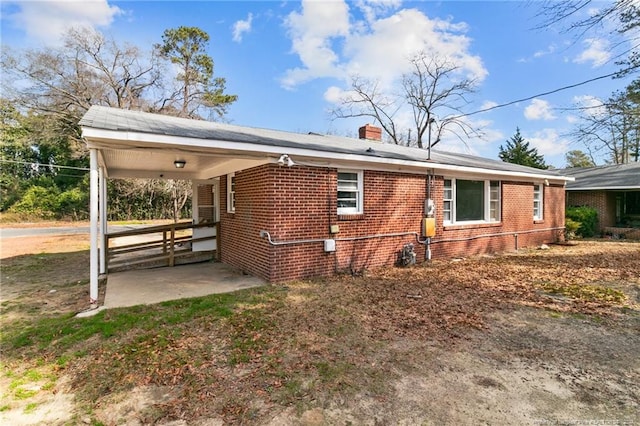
(577,158)
(198,89)
(517,151)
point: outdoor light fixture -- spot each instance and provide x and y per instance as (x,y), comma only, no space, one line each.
(285,159)
(179,164)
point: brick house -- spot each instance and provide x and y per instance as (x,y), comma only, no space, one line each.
(294,205)
(614,191)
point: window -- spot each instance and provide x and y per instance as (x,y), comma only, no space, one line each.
(494,201)
(471,201)
(538,195)
(349,192)
(448,201)
(231,193)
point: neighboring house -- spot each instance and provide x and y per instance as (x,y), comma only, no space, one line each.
(614,191)
(294,205)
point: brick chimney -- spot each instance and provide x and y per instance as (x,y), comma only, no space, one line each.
(370,133)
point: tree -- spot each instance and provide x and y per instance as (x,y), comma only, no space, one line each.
(517,151)
(197,88)
(48,90)
(89,69)
(577,158)
(432,92)
(623,15)
(612,128)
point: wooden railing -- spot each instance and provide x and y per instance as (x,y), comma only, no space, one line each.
(160,245)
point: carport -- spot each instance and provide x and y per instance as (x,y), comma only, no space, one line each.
(131,145)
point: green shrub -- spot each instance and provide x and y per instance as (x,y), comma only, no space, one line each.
(587,217)
(39,202)
(571,227)
(73,204)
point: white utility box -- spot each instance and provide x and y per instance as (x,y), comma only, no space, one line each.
(329,245)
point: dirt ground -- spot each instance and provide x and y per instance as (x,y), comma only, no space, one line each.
(543,360)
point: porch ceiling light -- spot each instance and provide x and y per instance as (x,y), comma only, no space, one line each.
(179,164)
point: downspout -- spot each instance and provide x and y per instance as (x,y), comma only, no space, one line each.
(93,228)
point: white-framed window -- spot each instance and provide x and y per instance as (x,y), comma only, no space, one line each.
(494,201)
(467,201)
(231,193)
(538,197)
(447,207)
(349,191)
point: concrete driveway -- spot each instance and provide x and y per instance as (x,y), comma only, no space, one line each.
(148,286)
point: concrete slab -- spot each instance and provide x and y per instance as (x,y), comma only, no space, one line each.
(148,286)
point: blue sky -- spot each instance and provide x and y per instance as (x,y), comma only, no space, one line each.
(289,61)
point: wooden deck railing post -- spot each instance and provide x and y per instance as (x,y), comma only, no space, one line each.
(218,241)
(164,242)
(172,246)
(105,247)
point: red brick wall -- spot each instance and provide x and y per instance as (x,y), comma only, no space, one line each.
(393,204)
(240,244)
(516,218)
(604,202)
(299,203)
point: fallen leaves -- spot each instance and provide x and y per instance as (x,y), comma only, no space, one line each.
(310,342)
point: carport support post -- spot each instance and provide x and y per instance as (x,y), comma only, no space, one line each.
(102,199)
(93,227)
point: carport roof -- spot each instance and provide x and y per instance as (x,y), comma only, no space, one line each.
(101,125)
(614,177)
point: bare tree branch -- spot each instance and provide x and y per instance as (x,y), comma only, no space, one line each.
(432,92)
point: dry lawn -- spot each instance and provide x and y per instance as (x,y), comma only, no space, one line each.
(537,337)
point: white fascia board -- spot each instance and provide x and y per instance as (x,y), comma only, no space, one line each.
(116,138)
(607,188)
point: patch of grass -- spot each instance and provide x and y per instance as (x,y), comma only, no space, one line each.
(55,335)
(30,407)
(22,393)
(335,372)
(586,292)
(247,335)
(123,348)
(29,383)
(5,407)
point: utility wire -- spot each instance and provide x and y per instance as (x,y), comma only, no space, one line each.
(44,165)
(571,86)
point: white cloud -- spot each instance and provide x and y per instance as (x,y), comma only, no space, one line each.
(488,105)
(47,20)
(539,109)
(312,31)
(334,95)
(597,52)
(373,8)
(549,50)
(549,142)
(590,105)
(331,42)
(240,27)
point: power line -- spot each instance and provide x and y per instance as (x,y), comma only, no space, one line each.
(44,165)
(571,86)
